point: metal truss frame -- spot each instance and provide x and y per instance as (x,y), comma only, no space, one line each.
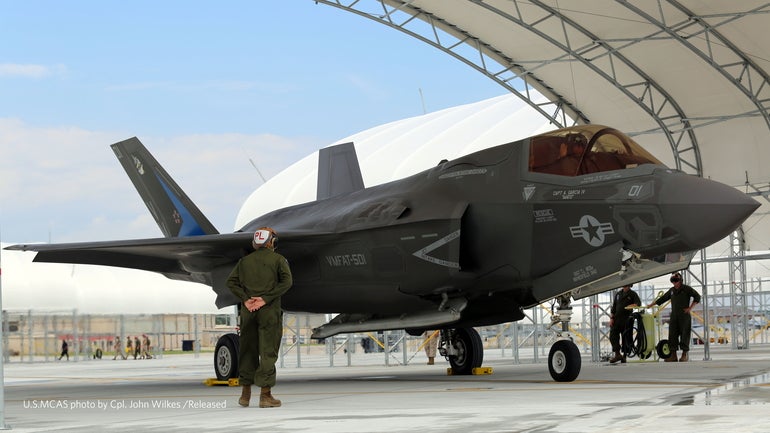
(455,41)
(696,33)
(513,74)
(739,320)
(699,34)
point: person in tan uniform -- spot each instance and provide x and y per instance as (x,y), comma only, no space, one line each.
(431,344)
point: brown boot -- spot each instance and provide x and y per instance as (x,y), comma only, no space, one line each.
(266,399)
(616,357)
(430,360)
(671,358)
(684,357)
(245,396)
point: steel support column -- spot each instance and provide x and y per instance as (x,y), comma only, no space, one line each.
(738,321)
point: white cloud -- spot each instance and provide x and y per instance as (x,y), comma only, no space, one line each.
(29,71)
(96,289)
(69,179)
(68,184)
(367,86)
(196,87)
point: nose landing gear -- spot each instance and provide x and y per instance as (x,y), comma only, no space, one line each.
(564,357)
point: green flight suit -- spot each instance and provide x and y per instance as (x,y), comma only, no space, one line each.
(620,315)
(266,274)
(680,324)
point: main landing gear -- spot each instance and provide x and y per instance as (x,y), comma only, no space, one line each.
(226,357)
(564,358)
(463,348)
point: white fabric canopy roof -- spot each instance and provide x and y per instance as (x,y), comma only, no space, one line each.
(689,79)
(402,148)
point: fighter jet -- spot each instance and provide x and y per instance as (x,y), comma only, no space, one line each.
(470,242)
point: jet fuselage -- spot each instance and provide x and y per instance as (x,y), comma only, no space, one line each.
(469,242)
(491,227)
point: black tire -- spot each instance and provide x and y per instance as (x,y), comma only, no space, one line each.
(470,351)
(226,357)
(564,361)
(663,349)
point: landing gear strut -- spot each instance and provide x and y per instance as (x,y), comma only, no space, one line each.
(463,348)
(564,358)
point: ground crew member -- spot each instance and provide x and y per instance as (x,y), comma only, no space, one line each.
(65,350)
(431,344)
(680,323)
(118,349)
(137,347)
(619,315)
(258,280)
(146,347)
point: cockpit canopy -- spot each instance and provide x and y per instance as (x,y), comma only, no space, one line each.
(585,149)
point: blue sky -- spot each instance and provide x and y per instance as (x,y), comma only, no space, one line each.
(205,86)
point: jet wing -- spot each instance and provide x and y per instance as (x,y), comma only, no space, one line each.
(175,256)
(184,258)
(205,259)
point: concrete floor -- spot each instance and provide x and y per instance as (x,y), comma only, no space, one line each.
(730,392)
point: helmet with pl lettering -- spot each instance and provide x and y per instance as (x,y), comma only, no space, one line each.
(264,237)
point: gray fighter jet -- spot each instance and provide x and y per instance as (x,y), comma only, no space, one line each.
(469,242)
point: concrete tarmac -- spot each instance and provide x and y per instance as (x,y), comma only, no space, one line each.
(730,392)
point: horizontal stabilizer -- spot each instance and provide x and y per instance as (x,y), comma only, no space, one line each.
(172,209)
(338,171)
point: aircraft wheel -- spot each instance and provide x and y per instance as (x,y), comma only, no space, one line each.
(226,357)
(469,351)
(564,361)
(663,349)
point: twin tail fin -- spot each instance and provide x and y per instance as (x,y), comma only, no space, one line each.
(175,213)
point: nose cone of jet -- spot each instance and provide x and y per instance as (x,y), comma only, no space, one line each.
(702,211)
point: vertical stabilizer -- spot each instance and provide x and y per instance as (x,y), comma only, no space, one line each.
(338,171)
(174,212)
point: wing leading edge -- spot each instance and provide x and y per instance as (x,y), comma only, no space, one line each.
(177,258)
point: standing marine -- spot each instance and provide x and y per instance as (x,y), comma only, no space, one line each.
(619,314)
(259,280)
(680,324)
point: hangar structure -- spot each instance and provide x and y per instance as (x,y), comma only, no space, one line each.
(688,79)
